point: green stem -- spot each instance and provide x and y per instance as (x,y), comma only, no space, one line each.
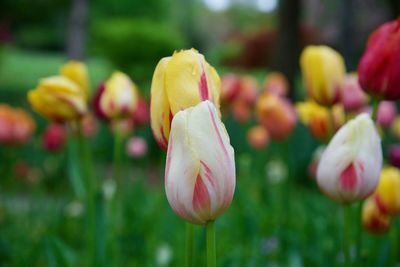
(394,244)
(189,245)
(211,253)
(359,234)
(375,105)
(346,235)
(115,212)
(90,190)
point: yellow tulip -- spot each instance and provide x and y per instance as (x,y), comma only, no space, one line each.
(63,97)
(119,98)
(180,81)
(387,194)
(323,72)
(77,72)
(373,219)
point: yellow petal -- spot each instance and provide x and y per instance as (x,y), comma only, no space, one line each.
(77,72)
(159,105)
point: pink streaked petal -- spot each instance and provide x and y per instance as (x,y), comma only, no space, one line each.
(201,198)
(348,178)
(203,85)
(217,132)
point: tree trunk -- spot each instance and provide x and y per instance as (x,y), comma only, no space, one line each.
(76,42)
(394,8)
(288,45)
(346,45)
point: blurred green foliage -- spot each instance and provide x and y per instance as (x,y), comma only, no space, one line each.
(135,45)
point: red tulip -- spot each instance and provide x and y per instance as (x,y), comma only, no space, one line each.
(386,113)
(379,68)
(53,137)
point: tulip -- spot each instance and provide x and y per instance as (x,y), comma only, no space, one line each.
(241,111)
(117,97)
(387,194)
(395,127)
(350,166)
(386,113)
(6,125)
(230,87)
(248,89)
(200,168)
(353,97)
(62,98)
(323,72)
(77,72)
(258,137)
(373,219)
(16,125)
(141,116)
(276,83)
(394,155)
(179,82)
(54,137)
(277,115)
(379,69)
(136,147)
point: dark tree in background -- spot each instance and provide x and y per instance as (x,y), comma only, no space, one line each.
(77,30)
(394,8)
(288,46)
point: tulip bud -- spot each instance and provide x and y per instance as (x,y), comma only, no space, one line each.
(258,137)
(379,69)
(387,194)
(373,219)
(394,155)
(241,111)
(248,90)
(136,147)
(316,117)
(353,97)
(276,83)
(350,166)
(117,98)
(23,126)
(277,115)
(395,127)
(200,169)
(53,137)
(141,116)
(230,87)
(323,72)
(179,82)
(386,113)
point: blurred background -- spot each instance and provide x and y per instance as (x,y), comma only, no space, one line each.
(41,219)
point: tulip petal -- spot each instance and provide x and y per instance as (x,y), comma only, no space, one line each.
(159,106)
(77,72)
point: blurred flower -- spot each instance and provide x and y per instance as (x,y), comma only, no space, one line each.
(277,115)
(136,147)
(163,255)
(322,121)
(21,170)
(200,170)
(179,82)
(323,72)
(350,166)
(89,125)
(387,194)
(116,98)
(122,127)
(276,171)
(258,137)
(352,96)
(394,155)
(62,98)
(230,87)
(276,83)
(386,113)
(74,209)
(141,116)
(53,137)
(379,69)
(16,125)
(241,111)
(395,127)
(248,90)
(373,219)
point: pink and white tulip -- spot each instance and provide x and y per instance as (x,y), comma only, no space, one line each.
(200,170)
(350,166)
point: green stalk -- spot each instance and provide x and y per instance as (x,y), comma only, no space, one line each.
(359,234)
(115,209)
(346,235)
(189,245)
(375,104)
(90,190)
(394,244)
(211,253)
